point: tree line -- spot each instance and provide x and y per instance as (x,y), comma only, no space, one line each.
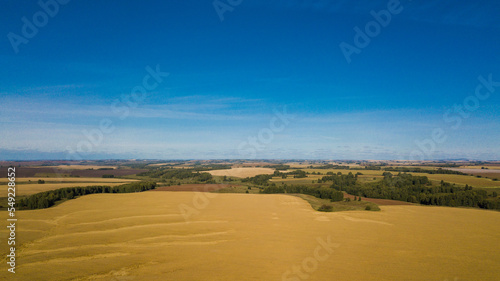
(418,189)
(340,181)
(170,173)
(402,187)
(49,198)
(262,180)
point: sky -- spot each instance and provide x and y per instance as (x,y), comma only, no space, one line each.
(243,79)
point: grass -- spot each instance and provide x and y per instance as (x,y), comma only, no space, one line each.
(317,203)
(292,180)
(239,189)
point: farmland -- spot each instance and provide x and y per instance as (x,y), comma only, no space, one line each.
(242,172)
(113,236)
(202,219)
(28,189)
(29,186)
(368,175)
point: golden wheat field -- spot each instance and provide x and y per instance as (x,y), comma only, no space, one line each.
(145,236)
(242,172)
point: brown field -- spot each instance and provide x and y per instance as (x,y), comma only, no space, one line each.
(144,236)
(195,187)
(242,172)
(490,173)
(478,167)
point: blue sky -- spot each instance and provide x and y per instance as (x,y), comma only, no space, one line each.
(228,78)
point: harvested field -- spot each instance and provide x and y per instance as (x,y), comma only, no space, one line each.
(489,166)
(242,172)
(195,187)
(145,236)
(493,172)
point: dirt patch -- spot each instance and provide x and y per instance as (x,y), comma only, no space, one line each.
(195,187)
(381,202)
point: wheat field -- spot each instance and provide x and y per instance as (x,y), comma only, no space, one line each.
(147,236)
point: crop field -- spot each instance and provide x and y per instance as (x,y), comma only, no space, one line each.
(368,175)
(242,172)
(250,237)
(492,172)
